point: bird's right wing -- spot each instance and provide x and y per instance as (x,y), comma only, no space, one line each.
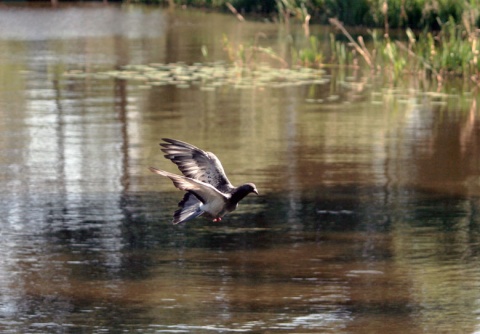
(196,163)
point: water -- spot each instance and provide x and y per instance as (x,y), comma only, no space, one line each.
(367,220)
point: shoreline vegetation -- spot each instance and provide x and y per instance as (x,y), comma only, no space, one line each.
(413,14)
(434,39)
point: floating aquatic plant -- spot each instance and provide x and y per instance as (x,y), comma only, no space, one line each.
(208,76)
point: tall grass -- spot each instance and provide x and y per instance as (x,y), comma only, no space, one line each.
(416,14)
(452,51)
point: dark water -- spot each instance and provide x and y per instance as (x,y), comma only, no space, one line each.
(368,219)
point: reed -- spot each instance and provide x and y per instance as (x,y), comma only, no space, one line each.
(416,14)
(250,55)
(452,51)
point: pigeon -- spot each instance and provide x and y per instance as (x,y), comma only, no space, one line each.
(209,192)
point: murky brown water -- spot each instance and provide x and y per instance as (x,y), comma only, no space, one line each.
(368,219)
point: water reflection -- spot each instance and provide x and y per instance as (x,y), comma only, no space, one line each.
(368,219)
(65,22)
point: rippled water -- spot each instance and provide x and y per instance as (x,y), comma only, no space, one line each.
(368,219)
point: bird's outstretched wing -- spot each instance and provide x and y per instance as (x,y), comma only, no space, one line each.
(196,163)
(205,192)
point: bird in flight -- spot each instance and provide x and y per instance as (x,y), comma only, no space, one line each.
(209,192)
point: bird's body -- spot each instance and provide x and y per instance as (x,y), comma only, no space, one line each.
(209,192)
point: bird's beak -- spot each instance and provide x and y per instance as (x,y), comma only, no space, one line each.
(255,191)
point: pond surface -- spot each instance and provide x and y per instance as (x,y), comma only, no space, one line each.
(368,215)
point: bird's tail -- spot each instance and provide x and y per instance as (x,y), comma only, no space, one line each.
(189,209)
(189,205)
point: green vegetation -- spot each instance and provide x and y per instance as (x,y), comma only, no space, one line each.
(451,51)
(394,13)
(415,14)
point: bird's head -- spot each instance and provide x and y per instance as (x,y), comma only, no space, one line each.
(251,188)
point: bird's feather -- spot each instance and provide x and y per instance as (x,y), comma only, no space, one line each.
(209,192)
(189,208)
(205,192)
(196,163)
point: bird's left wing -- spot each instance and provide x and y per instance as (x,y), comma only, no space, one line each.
(205,192)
